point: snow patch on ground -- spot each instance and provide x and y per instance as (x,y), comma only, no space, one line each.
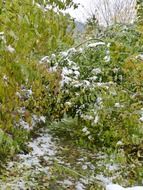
(30,164)
(118,187)
(79,186)
(24,171)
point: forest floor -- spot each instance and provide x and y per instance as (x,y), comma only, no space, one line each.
(54,165)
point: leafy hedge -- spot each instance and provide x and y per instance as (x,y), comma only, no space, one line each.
(102,90)
(27,89)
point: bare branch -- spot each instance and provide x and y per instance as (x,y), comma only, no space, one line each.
(113,11)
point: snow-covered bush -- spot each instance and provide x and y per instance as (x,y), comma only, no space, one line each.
(96,88)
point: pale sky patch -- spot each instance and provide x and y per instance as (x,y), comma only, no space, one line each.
(106,11)
(81,13)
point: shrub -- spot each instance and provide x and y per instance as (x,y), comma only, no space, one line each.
(28,31)
(98,88)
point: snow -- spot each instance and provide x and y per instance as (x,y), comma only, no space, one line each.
(64,54)
(10,49)
(72,50)
(94,78)
(87,117)
(96,71)
(107,58)
(86,83)
(80,50)
(118,105)
(5,77)
(118,187)
(79,186)
(113,167)
(44,59)
(67,182)
(68,104)
(99,100)
(119,143)
(96,119)
(85,130)
(104,180)
(42,119)
(77,73)
(84,167)
(27,93)
(44,147)
(115,70)
(1,33)
(2,37)
(141,119)
(53,69)
(114,187)
(30,164)
(65,80)
(75,67)
(18,94)
(24,124)
(66,71)
(135,188)
(93,45)
(140,57)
